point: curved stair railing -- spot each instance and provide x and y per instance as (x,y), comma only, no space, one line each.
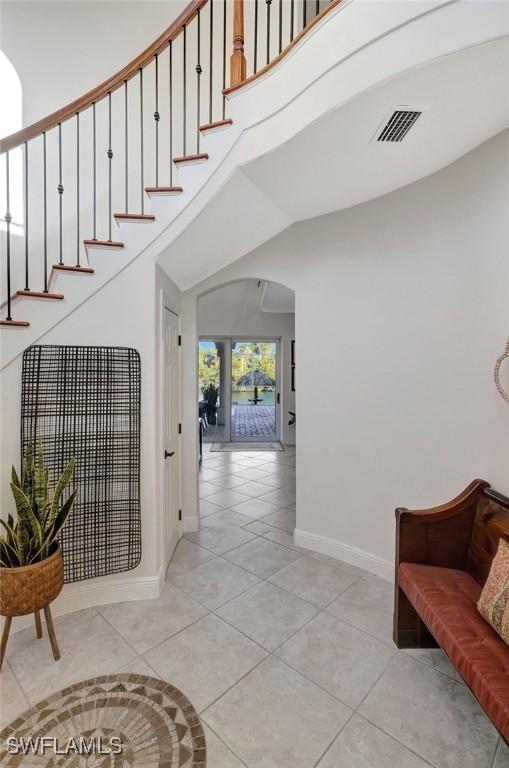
(98,159)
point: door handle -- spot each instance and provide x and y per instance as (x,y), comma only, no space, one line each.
(278,399)
(169,454)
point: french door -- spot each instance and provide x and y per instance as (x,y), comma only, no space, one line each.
(254,390)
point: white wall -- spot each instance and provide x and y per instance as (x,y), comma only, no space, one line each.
(63,49)
(125,312)
(401,310)
(233,310)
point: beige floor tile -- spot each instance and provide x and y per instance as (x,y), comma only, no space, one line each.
(274,718)
(254,488)
(207,508)
(361,745)
(368,604)
(145,623)
(255,508)
(262,557)
(215,582)
(315,582)
(12,699)
(285,538)
(502,756)
(187,556)
(432,715)
(283,497)
(267,614)
(89,647)
(205,660)
(218,754)
(337,657)
(258,527)
(226,499)
(283,519)
(226,517)
(220,538)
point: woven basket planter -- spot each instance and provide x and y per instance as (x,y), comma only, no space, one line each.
(31,587)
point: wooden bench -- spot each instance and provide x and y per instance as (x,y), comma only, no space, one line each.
(443,557)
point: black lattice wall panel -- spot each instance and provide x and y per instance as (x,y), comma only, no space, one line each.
(85,402)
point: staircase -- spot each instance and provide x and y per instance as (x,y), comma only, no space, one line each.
(147,138)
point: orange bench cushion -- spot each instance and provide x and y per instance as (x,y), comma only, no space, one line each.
(446,600)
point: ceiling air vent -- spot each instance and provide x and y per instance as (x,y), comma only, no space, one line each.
(398,125)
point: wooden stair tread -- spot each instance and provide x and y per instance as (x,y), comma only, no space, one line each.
(190,158)
(216,124)
(103,244)
(69,268)
(39,294)
(135,216)
(163,190)
(15,323)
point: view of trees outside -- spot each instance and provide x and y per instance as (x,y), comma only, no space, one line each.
(247,356)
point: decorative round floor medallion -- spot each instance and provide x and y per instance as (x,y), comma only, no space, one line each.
(115,721)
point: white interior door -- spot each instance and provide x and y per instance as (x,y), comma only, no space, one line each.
(171,439)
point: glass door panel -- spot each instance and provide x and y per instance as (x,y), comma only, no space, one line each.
(254,391)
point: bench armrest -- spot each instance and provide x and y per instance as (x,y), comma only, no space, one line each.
(441,535)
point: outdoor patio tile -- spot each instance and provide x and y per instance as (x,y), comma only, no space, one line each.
(227,498)
(361,745)
(12,699)
(315,582)
(274,718)
(337,657)
(145,623)
(205,659)
(218,754)
(262,557)
(89,647)
(254,508)
(283,497)
(214,583)
(283,519)
(368,605)
(254,488)
(220,538)
(432,715)
(187,556)
(267,614)
(226,517)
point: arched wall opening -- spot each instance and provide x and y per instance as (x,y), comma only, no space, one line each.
(11,120)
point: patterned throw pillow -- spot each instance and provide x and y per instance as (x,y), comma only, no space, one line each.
(493,604)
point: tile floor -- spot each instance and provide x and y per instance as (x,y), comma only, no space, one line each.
(286,654)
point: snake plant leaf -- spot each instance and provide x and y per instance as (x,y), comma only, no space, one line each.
(40,479)
(15,478)
(64,514)
(63,482)
(23,542)
(26,514)
(27,472)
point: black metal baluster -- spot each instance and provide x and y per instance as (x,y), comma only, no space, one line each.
(27,287)
(171,113)
(255,45)
(109,155)
(77,189)
(126,119)
(224,57)
(60,190)
(157,118)
(292,18)
(94,164)
(8,219)
(280,25)
(184,94)
(198,74)
(317,7)
(211,58)
(45,209)
(142,190)
(268,3)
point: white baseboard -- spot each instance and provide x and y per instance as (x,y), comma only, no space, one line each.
(88,594)
(191,523)
(345,552)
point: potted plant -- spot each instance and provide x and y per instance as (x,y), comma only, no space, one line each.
(211,394)
(31,564)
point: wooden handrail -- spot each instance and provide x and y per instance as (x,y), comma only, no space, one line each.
(109,85)
(319,16)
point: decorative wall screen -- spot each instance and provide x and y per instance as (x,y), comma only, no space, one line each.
(85,402)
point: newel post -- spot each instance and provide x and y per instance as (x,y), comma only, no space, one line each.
(238,60)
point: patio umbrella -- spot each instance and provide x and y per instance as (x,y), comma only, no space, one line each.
(256,378)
